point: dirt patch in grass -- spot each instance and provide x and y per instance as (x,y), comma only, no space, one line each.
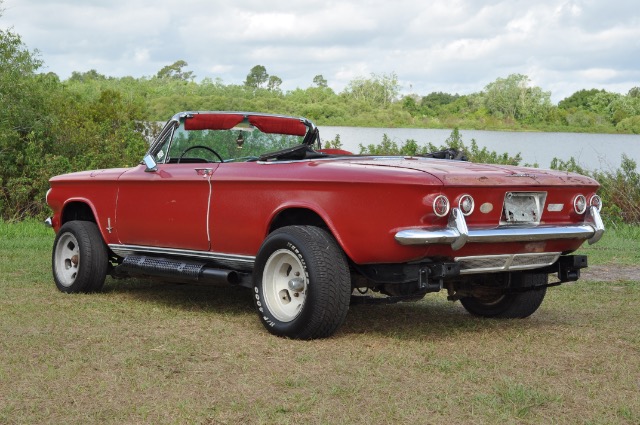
(611,273)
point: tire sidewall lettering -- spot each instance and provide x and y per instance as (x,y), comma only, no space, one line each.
(259,302)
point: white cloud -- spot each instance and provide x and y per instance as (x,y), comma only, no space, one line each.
(441,45)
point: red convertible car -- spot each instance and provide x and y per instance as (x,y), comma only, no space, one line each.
(251,199)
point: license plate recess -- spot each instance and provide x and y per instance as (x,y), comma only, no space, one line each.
(523,208)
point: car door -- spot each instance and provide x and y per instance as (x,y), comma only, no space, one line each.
(167,207)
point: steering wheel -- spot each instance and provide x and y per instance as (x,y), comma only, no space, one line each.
(199,147)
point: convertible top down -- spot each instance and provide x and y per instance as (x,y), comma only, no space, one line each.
(252,199)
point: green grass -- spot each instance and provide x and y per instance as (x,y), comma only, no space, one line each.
(619,245)
(158,353)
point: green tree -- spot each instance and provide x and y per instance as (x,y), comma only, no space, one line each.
(379,90)
(319,81)
(435,100)
(513,98)
(274,83)
(257,77)
(24,119)
(410,104)
(601,102)
(579,99)
(175,72)
(86,76)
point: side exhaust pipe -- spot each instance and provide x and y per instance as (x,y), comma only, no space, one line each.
(175,269)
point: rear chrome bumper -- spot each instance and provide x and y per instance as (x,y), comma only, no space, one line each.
(457,234)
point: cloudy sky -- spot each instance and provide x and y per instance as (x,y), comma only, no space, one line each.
(454,46)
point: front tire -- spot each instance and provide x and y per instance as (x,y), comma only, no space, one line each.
(79,259)
(302,286)
(521,299)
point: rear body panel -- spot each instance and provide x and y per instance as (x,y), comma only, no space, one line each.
(229,207)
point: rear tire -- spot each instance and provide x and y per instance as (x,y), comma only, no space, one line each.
(523,297)
(79,259)
(302,286)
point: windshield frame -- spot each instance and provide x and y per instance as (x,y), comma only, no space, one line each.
(270,124)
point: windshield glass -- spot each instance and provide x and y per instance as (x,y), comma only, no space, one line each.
(229,138)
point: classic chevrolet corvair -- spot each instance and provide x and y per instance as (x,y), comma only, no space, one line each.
(245,198)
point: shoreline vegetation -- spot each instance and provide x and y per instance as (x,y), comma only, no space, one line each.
(50,126)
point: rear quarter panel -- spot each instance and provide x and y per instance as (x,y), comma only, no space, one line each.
(362,205)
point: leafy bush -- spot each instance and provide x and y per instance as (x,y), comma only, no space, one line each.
(410,148)
(619,189)
(620,192)
(629,125)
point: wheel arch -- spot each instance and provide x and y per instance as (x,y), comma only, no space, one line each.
(301,216)
(81,209)
(305,216)
(78,210)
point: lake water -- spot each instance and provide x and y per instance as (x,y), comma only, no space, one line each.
(591,151)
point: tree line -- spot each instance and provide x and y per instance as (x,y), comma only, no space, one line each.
(50,126)
(510,103)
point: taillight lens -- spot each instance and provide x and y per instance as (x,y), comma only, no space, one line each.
(466,204)
(580,204)
(595,201)
(441,206)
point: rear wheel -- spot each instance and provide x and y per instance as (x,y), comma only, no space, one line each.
(79,260)
(521,299)
(301,283)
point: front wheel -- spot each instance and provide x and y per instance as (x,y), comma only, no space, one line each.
(301,283)
(79,260)
(521,299)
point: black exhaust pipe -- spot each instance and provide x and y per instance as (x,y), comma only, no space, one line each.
(219,275)
(175,269)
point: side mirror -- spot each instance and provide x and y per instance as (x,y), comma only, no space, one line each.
(151,164)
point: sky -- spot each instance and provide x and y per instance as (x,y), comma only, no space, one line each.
(452,46)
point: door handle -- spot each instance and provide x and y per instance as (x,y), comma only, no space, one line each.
(204,172)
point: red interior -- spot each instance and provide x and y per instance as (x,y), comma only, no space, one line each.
(279,125)
(335,151)
(213,122)
(291,126)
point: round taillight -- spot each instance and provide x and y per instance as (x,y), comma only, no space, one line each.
(580,204)
(441,206)
(596,201)
(466,204)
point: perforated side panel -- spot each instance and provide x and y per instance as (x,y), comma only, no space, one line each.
(162,266)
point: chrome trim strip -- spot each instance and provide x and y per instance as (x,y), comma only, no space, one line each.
(507,262)
(124,250)
(457,234)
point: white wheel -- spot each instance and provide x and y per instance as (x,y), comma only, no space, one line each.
(301,283)
(66,260)
(79,259)
(284,283)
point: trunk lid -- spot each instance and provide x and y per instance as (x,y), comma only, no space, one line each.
(463,173)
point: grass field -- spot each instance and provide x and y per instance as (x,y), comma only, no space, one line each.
(144,352)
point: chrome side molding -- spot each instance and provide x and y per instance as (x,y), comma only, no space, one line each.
(232,260)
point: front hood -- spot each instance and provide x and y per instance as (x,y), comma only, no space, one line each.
(463,173)
(105,174)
